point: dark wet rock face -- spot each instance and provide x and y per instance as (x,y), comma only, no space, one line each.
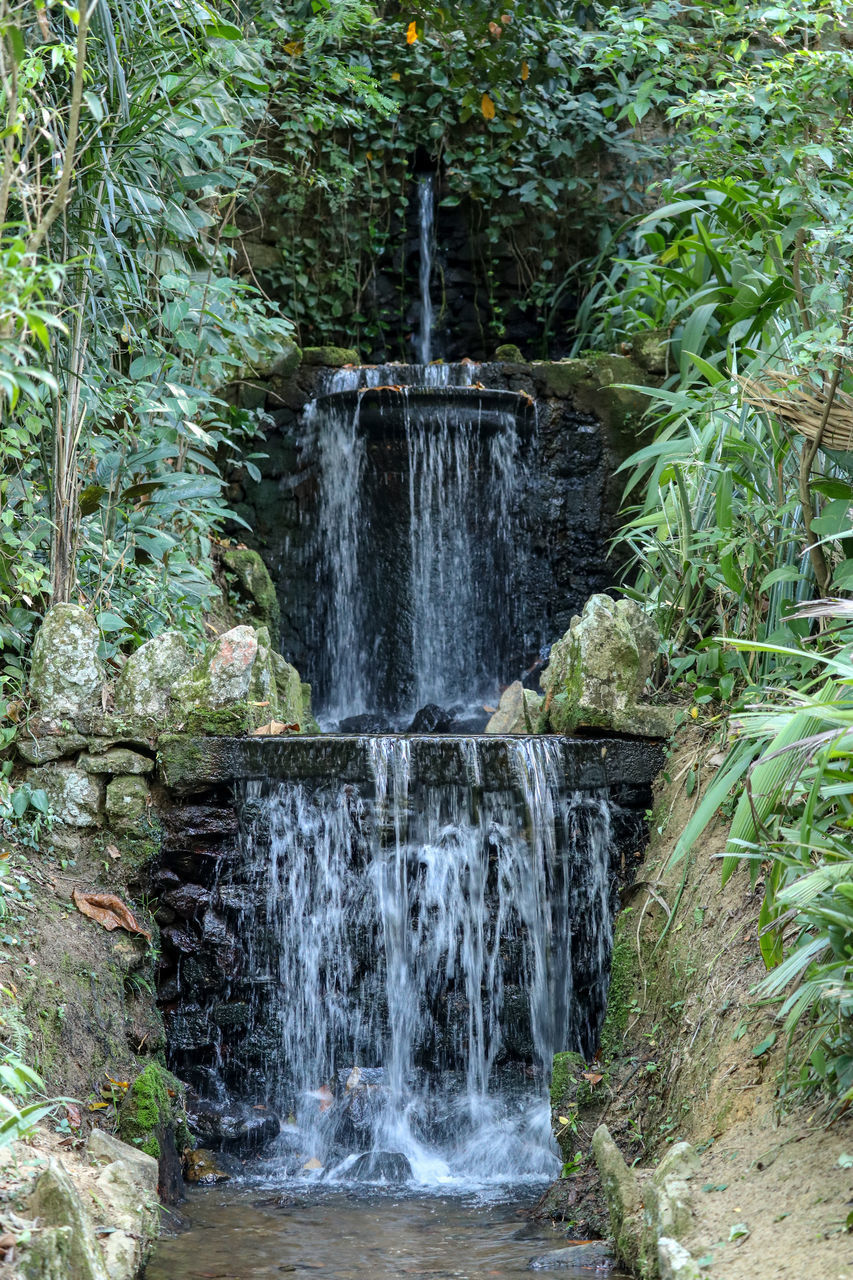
(432,719)
(381,1166)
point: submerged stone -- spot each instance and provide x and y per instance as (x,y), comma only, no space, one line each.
(67,675)
(201,1167)
(594,1256)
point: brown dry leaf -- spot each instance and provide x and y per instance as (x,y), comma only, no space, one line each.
(73,1114)
(594,1077)
(107,909)
(111,851)
(274,728)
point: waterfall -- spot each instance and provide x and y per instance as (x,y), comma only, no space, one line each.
(416,560)
(426,223)
(420,950)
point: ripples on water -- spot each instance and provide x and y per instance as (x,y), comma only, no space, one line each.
(243,1234)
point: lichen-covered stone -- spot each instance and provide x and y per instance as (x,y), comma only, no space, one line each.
(254,588)
(649,350)
(675,1262)
(117,760)
(76,798)
(127,1187)
(263,692)
(597,672)
(622,1193)
(518,711)
(67,675)
(329,357)
(56,1203)
(151,673)
(126,802)
(224,675)
(47,1255)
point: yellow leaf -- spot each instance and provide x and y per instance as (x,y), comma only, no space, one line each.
(395,75)
(564,1119)
(694,711)
(294,48)
(411,33)
(525,71)
(487,107)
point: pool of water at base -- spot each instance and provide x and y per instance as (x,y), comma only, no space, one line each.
(243,1233)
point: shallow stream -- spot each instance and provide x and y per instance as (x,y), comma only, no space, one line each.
(250,1234)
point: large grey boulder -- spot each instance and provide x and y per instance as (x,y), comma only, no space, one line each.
(67,676)
(518,711)
(597,672)
(151,673)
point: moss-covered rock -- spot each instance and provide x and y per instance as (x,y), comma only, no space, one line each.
(117,760)
(597,672)
(599,383)
(289,693)
(309,724)
(253,589)
(152,1117)
(329,357)
(623,1197)
(509,353)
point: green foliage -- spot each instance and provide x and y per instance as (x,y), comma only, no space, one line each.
(130,155)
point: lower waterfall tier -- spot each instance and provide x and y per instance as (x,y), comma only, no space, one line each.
(390,964)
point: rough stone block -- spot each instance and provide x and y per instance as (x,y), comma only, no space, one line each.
(622,1193)
(49,748)
(118,760)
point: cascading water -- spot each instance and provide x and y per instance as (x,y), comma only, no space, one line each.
(416,553)
(423,950)
(426,222)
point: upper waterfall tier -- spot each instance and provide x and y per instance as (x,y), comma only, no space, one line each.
(416,551)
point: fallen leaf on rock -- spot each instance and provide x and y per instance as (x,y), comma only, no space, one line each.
(111,851)
(274,728)
(107,909)
(592,1076)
